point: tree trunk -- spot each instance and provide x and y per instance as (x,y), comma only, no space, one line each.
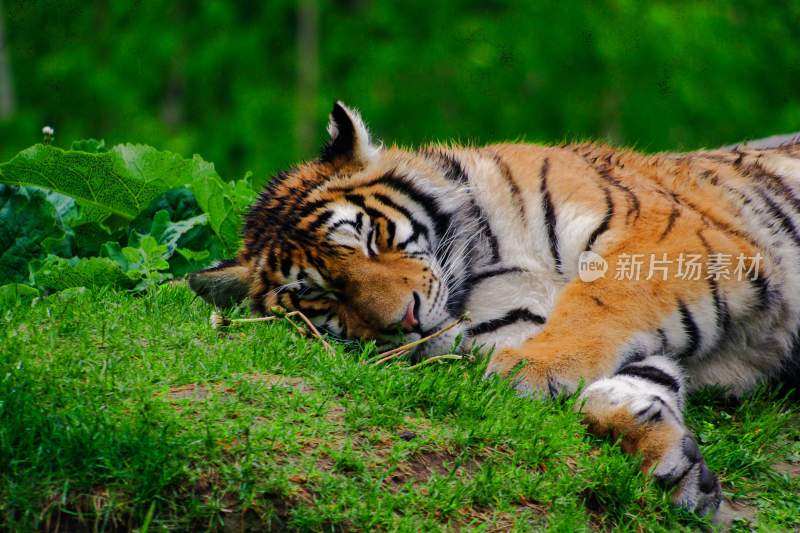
(6,81)
(307,75)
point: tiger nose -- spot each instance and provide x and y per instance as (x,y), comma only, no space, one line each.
(411,318)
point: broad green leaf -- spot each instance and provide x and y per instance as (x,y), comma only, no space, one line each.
(113,187)
(168,233)
(192,255)
(15,293)
(29,226)
(225,204)
(56,273)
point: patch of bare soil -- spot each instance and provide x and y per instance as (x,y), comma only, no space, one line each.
(199,392)
(492,521)
(420,467)
(792,469)
(84,511)
(731,511)
(374,447)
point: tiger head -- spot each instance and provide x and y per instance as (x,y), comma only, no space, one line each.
(367,241)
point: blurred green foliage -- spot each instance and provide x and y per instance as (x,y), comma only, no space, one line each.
(221,78)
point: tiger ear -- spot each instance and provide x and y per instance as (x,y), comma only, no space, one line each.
(224,285)
(350,139)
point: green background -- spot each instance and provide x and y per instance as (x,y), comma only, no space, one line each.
(248,84)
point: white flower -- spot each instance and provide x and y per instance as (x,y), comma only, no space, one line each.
(47,130)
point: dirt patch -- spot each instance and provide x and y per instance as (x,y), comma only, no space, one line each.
(786,467)
(730,512)
(190,391)
(85,511)
(201,391)
(422,466)
(492,521)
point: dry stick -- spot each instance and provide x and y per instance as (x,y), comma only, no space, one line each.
(314,331)
(404,349)
(447,356)
(217,320)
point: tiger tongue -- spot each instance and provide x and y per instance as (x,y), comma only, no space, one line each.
(409,321)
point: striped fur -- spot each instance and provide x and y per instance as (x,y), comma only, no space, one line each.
(372,242)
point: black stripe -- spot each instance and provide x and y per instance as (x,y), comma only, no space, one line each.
(720,225)
(763,291)
(453,169)
(673,216)
(338,224)
(306,208)
(320,221)
(428,203)
(674,476)
(655,417)
(475,278)
(486,229)
(663,338)
(720,305)
(650,373)
(286,263)
(775,183)
(312,312)
(272,259)
(636,356)
(783,218)
(300,211)
(605,223)
(516,194)
(416,227)
(511,317)
(598,301)
(691,330)
(391,230)
(257,301)
(604,171)
(549,215)
(357,199)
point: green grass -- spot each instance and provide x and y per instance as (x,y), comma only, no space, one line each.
(121,412)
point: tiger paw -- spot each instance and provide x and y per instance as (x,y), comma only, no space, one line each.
(696,487)
(528,376)
(650,423)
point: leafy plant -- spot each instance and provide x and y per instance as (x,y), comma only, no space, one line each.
(128,216)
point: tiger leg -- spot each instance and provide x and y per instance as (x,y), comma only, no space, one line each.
(606,334)
(642,403)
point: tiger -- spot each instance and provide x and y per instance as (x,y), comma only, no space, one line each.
(372,241)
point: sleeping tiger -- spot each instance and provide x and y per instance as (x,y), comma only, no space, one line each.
(571,261)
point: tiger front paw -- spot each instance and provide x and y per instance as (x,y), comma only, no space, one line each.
(529,377)
(696,487)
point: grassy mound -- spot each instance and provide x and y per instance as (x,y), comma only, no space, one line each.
(120,412)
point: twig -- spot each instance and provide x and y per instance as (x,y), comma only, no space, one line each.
(314,331)
(404,349)
(447,356)
(219,321)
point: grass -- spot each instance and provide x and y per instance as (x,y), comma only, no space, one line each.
(121,412)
